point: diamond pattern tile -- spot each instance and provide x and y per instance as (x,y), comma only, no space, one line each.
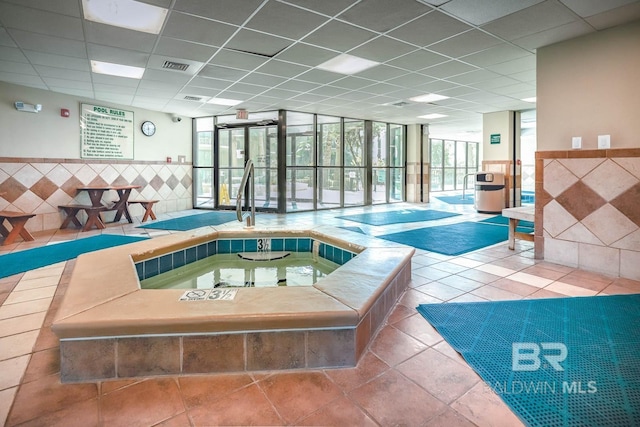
(609,224)
(557,219)
(630,164)
(557,178)
(44,188)
(580,200)
(581,167)
(70,186)
(629,203)
(609,180)
(172,182)
(12,189)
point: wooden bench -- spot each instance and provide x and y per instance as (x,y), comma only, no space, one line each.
(524,213)
(148,208)
(93,216)
(17,221)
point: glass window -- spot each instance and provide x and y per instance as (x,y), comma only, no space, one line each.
(329,141)
(396,182)
(300,189)
(353,186)
(379,185)
(396,147)
(353,143)
(379,145)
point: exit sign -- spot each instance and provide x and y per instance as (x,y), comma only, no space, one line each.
(495,138)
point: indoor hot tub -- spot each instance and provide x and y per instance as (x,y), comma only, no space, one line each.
(109,327)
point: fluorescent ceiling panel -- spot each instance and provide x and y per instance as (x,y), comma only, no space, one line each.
(347,64)
(532,99)
(432,116)
(223,101)
(429,97)
(116,69)
(125,14)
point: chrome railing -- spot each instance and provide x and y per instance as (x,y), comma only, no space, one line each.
(248,173)
(464,183)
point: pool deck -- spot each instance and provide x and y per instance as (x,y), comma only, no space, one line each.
(110,328)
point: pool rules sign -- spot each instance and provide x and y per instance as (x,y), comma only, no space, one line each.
(106,133)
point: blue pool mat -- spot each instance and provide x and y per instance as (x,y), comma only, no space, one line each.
(398,216)
(355,229)
(190,222)
(29,259)
(599,384)
(452,239)
(503,220)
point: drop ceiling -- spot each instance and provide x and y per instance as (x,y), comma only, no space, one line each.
(481,54)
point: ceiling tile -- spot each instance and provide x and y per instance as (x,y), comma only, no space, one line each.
(66,83)
(381,73)
(114,80)
(297,85)
(5,39)
(257,43)
(328,91)
(64,7)
(447,69)
(173,77)
(63,73)
(39,21)
(354,95)
(304,54)
(339,36)
(284,20)
(12,54)
(495,55)
(352,82)
(380,89)
(116,98)
(220,10)
(465,43)
(490,10)
(210,83)
(23,79)
(183,49)
(223,73)
(417,60)
(382,49)
(195,29)
(71,90)
(262,79)
(586,8)
(281,68)
(117,55)
(621,15)
(473,77)
(53,45)
(409,80)
(121,90)
(119,37)
(384,15)
(430,28)
(515,65)
(17,67)
(328,7)
(41,58)
(244,61)
(247,88)
(319,76)
(534,19)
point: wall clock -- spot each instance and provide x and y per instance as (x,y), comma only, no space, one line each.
(148,128)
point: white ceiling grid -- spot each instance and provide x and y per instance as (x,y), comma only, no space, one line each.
(480,53)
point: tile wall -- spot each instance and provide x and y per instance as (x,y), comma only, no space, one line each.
(588,210)
(41,185)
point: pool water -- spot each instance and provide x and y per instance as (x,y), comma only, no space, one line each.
(230,271)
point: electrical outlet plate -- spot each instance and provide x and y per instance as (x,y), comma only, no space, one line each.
(604,141)
(576,142)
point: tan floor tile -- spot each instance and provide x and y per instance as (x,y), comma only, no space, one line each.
(394,346)
(206,389)
(570,290)
(11,371)
(440,291)
(495,294)
(341,412)
(14,310)
(495,270)
(544,293)
(617,290)
(81,414)
(369,366)
(540,271)
(446,349)
(460,282)
(246,407)
(180,420)
(530,279)
(393,400)
(468,298)
(6,399)
(419,328)
(142,404)
(429,273)
(449,267)
(450,418)
(16,325)
(41,282)
(31,295)
(399,312)
(53,270)
(583,282)
(465,262)
(484,408)
(442,377)
(317,389)
(18,345)
(412,298)
(514,287)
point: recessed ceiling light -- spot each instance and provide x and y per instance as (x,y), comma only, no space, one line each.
(125,14)
(223,101)
(116,69)
(347,64)
(432,116)
(532,99)
(429,97)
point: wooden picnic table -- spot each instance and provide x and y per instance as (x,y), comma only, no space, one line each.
(120,206)
(524,213)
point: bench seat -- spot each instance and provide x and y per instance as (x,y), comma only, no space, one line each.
(93,216)
(17,220)
(148,208)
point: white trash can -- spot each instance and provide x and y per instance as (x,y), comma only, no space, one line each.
(489,192)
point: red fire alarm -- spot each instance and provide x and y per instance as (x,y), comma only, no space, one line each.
(64,112)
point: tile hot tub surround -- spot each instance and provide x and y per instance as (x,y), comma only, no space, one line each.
(110,328)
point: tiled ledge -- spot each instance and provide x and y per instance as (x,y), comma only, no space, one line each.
(91,161)
(587,154)
(110,328)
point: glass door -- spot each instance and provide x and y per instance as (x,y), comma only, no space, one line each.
(233,153)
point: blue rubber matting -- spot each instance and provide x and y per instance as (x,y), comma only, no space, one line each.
(356,229)
(523,226)
(29,259)
(518,346)
(190,222)
(456,200)
(453,239)
(398,216)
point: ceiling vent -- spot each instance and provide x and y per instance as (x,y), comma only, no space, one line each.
(170,65)
(192,98)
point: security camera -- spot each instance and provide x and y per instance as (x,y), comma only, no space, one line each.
(176,118)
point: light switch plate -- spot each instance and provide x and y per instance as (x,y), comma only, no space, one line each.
(604,141)
(576,142)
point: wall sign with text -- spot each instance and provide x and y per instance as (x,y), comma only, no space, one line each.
(106,133)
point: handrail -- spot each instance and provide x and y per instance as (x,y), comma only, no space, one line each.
(248,172)
(464,183)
